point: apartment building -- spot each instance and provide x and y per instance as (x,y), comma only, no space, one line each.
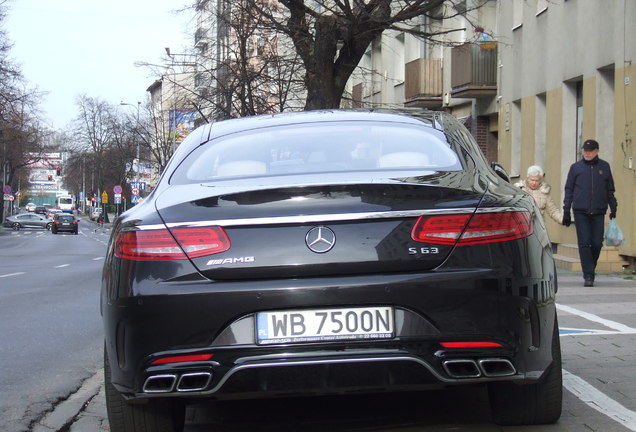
(557,72)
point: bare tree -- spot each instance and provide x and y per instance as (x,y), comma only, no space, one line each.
(242,67)
(21,133)
(95,134)
(330,37)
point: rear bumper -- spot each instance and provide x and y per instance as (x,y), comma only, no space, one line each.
(175,319)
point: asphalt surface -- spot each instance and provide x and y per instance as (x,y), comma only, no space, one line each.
(85,410)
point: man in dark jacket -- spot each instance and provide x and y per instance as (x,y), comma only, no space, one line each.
(589,190)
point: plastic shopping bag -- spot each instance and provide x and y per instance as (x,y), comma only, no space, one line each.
(614,235)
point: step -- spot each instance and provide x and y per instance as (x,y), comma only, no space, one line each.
(567,263)
(608,253)
(567,258)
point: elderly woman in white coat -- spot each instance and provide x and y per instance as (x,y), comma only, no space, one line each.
(540,191)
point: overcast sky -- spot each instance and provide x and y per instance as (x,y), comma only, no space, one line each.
(70,47)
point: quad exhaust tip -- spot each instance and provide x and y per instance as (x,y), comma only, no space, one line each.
(193,381)
(160,383)
(187,382)
(469,368)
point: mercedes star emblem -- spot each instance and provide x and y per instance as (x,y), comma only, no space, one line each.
(320,239)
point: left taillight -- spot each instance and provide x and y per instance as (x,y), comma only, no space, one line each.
(175,244)
(469,229)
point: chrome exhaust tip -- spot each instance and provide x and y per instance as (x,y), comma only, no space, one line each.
(461,368)
(497,367)
(159,383)
(195,381)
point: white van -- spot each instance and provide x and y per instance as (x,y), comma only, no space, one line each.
(94,213)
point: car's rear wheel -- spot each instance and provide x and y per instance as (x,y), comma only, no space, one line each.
(53,230)
(539,403)
(48,226)
(154,415)
(16,226)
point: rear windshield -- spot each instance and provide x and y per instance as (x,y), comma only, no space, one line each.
(65,218)
(316,148)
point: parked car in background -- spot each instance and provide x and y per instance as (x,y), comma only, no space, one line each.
(30,207)
(41,210)
(27,220)
(52,212)
(324,253)
(94,213)
(64,222)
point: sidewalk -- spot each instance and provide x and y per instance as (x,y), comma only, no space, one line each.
(85,411)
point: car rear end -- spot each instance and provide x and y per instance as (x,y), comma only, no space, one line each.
(319,274)
(65,222)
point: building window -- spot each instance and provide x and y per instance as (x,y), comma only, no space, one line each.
(399,66)
(542,6)
(517,14)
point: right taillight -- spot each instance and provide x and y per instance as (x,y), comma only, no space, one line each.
(469,229)
(175,244)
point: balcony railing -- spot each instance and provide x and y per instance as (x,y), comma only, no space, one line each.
(474,70)
(423,83)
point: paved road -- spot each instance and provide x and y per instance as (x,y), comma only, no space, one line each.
(598,327)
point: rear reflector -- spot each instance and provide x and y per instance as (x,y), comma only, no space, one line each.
(471,345)
(183,358)
(467,229)
(176,244)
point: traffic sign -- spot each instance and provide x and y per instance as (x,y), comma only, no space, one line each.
(138,185)
(7,189)
(134,191)
(117,189)
(105,197)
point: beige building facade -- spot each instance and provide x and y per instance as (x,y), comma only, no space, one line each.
(566,75)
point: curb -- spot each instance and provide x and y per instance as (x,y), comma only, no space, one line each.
(64,414)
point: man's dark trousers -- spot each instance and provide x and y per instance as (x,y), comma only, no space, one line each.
(589,232)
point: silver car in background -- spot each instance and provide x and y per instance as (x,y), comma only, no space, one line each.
(27,220)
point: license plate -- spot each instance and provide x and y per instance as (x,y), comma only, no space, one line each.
(324,325)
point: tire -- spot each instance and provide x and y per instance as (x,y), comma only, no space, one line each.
(153,415)
(48,226)
(530,404)
(53,230)
(16,226)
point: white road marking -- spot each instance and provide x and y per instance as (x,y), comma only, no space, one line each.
(11,274)
(568,331)
(586,392)
(597,319)
(600,402)
(62,266)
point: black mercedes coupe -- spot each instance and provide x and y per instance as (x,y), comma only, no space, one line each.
(329,252)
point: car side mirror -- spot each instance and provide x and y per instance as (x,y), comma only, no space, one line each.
(500,171)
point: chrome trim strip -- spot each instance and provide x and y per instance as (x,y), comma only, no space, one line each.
(328,218)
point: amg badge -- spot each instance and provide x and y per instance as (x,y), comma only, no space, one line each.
(221,261)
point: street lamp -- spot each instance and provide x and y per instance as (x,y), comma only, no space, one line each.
(138,160)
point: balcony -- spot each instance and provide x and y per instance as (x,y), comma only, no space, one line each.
(423,83)
(474,70)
